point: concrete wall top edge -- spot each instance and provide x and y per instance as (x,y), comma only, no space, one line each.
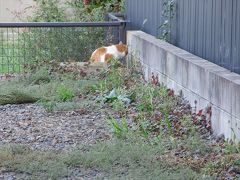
(180,53)
(236,81)
(231,77)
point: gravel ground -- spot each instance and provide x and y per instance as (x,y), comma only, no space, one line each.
(31,125)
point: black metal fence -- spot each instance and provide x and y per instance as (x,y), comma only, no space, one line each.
(207,28)
(23,45)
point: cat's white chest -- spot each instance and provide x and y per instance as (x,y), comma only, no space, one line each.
(114,51)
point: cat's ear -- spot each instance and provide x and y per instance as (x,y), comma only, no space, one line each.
(120,42)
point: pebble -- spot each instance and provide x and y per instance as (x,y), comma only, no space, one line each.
(31,125)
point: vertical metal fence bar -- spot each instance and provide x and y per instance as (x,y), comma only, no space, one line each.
(7,54)
(18,55)
(12,50)
(1,50)
(45,30)
(28,46)
(24,50)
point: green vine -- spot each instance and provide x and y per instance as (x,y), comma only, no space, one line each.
(167,15)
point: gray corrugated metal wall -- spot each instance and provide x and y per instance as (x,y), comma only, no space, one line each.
(207,28)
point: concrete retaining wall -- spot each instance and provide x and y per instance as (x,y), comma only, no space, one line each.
(198,79)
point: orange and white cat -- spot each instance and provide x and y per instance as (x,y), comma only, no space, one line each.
(106,54)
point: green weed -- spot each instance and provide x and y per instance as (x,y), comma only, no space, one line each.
(119,107)
(47,105)
(119,128)
(220,165)
(40,165)
(168,123)
(131,158)
(231,148)
(64,94)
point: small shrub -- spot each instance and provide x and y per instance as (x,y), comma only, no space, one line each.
(64,93)
(17,97)
(48,11)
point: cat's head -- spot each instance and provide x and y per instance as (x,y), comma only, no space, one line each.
(123,48)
